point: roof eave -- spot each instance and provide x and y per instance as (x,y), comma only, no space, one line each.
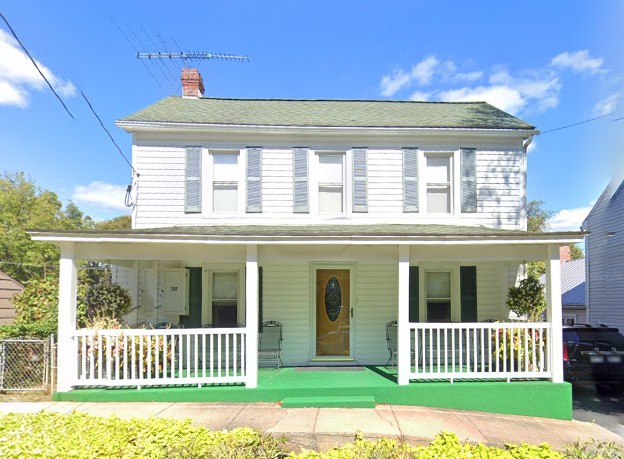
(486,239)
(167,126)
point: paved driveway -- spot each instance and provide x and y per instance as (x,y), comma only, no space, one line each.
(605,408)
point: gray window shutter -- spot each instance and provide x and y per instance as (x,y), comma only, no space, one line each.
(192,192)
(300,184)
(254,179)
(410,179)
(360,180)
(469,180)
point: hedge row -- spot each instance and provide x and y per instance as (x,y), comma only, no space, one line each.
(79,435)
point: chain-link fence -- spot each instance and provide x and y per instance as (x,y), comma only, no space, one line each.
(26,364)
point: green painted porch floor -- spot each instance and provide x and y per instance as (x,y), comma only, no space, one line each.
(315,388)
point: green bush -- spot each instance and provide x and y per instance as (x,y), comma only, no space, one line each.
(80,435)
(527,299)
(444,445)
(107,299)
(36,330)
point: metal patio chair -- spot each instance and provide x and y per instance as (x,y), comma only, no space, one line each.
(392,343)
(270,343)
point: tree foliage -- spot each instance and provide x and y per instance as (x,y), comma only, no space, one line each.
(537,216)
(527,299)
(117,223)
(106,299)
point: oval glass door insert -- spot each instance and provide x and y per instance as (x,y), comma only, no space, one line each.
(333,298)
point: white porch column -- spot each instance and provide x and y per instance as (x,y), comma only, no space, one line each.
(403,332)
(251,310)
(67,356)
(553,309)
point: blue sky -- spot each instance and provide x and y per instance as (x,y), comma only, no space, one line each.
(550,63)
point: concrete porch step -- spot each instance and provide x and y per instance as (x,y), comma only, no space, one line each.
(330,401)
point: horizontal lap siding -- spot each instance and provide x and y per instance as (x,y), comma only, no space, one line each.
(488,291)
(285,296)
(606,261)
(385,181)
(499,189)
(160,199)
(377,303)
(277,181)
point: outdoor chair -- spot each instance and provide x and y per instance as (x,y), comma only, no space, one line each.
(164,326)
(145,325)
(270,343)
(392,343)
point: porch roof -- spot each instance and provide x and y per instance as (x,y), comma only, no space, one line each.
(315,233)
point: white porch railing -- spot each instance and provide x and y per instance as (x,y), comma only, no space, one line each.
(480,351)
(137,357)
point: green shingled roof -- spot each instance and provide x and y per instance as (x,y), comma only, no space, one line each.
(327,113)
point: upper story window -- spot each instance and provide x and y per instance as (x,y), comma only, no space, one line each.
(225,178)
(331,183)
(440,183)
(439,179)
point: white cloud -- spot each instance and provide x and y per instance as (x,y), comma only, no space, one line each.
(100,194)
(578,61)
(569,219)
(424,70)
(419,95)
(18,75)
(512,93)
(606,105)
(391,84)
(505,98)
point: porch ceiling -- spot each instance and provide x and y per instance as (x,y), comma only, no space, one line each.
(314,234)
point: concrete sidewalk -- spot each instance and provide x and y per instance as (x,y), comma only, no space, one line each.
(324,428)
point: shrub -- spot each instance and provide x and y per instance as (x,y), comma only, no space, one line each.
(107,299)
(527,299)
(80,435)
(37,330)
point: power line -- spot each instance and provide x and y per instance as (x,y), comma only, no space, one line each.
(576,124)
(36,66)
(106,130)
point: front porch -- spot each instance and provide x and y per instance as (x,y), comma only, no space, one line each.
(440,351)
(336,386)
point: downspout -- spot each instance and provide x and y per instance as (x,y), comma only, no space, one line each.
(523,215)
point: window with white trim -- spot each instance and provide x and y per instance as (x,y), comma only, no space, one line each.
(331,183)
(439,179)
(225,177)
(438,296)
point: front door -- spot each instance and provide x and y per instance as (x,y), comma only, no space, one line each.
(333,312)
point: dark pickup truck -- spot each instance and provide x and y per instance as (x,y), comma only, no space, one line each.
(593,355)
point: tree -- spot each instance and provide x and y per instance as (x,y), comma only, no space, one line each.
(106,299)
(576,252)
(537,216)
(527,299)
(117,223)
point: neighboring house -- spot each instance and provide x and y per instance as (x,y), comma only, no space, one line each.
(572,291)
(8,288)
(332,217)
(604,254)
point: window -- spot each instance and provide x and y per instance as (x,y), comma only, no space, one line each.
(331,184)
(224,299)
(225,175)
(438,296)
(438,177)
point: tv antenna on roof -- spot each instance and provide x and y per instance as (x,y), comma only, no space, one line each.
(191,56)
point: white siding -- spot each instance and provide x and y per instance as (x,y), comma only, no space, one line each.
(277,181)
(160,188)
(376,304)
(385,181)
(489,291)
(605,258)
(286,293)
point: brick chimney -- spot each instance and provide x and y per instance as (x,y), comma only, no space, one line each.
(564,254)
(192,83)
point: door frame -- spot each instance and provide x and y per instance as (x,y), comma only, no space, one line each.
(352,357)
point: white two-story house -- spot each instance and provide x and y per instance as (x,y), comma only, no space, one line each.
(333,218)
